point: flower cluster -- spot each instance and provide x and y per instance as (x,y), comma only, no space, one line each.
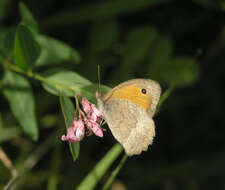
(88,121)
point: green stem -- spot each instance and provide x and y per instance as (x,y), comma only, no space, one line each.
(36,76)
(115,172)
(91,180)
(77,102)
(164,96)
(12,67)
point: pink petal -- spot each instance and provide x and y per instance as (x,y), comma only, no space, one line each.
(88,123)
(73,139)
(64,138)
(99,119)
(80,132)
(94,118)
(78,123)
(86,105)
(95,115)
(97,130)
(70,136)
(70,132)
(96,111)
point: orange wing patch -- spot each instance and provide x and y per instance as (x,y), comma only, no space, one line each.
(133,93)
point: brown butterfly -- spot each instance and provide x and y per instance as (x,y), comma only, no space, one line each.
(128,110)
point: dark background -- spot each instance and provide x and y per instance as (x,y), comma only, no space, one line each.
(189,149)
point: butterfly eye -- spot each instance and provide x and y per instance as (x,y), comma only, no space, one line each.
(143,91)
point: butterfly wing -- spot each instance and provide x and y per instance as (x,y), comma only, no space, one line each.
(129,120)
(130,125)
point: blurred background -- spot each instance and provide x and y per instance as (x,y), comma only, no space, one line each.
(181,44)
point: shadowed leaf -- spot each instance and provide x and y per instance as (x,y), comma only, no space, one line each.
(18,92)
(64,81)
(26,49)
(28,18)
(55,51)
(68,114)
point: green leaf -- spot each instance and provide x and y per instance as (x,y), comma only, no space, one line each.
(94,176)
(28,18)
(26,49)
(71,83)
(7,41)
(68,114)
(18,92)
(54,51)
(89,91)
(64,81)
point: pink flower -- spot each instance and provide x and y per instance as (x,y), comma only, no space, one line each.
(91,110)
(75,132)
(86,105)
(80,131)
(96,114)
(91,119)
(94,127)
(70,135)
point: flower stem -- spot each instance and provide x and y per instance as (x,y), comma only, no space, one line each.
(164,96)
(115,173)
(77,102)
(93,177)
(30,74)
